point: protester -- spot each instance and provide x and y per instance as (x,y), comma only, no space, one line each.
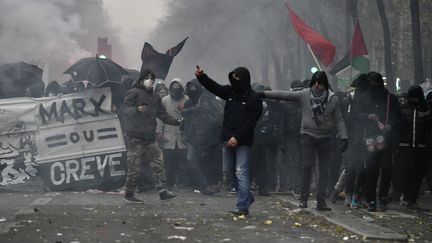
(381,132)
(414,143)
(242,110)
(141,107)
(172,141)
(355,167)
(320,111)
(203,122)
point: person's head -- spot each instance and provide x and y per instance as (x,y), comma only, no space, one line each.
(361,82)
(176,89)
(429,97)
(319,82)
(375,80)
(305,83)
(36,90)
(416,96)
(296,84)
(52,89)
(193,89)
(240,81)
(258,87)
(161,89)
(146,79)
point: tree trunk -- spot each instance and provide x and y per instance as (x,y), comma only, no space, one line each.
(416,42)
(391,84)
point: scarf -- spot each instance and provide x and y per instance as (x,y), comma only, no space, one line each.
(318,102)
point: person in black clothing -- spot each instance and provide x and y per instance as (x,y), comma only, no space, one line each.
(414,142)
(242,110)
(381,133)
(201,131)
(356,119)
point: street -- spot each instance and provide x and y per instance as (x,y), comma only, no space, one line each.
(101,217)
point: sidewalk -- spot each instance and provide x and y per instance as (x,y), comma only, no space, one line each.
(396,224)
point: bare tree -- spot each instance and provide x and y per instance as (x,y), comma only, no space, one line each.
(391,82)
(416,42)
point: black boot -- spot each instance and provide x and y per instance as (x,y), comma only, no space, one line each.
(166,195)
(303,201)
(130,198)
(322,205)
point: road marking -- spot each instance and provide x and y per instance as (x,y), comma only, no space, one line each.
(38,202)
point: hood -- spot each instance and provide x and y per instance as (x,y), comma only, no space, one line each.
(243,85)
(176,81)
(415,92)
(197,89)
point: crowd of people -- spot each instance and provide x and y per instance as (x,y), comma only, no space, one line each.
(366,142)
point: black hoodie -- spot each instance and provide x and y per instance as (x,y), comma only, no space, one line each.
(416,120)
(243,106)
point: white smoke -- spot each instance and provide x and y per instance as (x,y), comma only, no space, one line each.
(38,31)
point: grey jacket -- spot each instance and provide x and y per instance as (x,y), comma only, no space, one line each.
(332,114)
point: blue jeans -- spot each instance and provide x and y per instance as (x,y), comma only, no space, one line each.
(236,162)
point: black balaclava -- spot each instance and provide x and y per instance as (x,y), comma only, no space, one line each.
(194,90)
(243,84)
(416,97)
(176,90)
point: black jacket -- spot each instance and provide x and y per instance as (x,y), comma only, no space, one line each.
(201,127)
(416,122)
(143,124)
(243,107)
(376,102)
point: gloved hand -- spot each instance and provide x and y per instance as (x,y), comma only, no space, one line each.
(342,145)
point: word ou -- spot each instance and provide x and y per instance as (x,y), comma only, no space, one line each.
(74,137)
(78,169)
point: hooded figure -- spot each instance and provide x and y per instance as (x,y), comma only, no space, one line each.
(380,134)
(242,110)
(413,156)
(171,137)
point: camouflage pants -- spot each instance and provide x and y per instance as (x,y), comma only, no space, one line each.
(148,153)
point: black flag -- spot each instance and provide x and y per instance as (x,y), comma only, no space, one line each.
(157,62)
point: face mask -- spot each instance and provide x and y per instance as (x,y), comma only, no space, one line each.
(236,86)
(176,93)
(148,84)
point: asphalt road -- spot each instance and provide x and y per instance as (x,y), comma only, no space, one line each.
(100,217)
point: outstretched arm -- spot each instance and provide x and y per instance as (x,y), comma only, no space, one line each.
(284,95)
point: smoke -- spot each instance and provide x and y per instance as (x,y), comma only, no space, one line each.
(53,34)
(38,31)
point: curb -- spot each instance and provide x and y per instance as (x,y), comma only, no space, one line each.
(359,226)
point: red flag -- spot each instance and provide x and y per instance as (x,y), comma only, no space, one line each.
(358,46)
(323,49)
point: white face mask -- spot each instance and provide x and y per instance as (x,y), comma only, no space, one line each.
(148,84)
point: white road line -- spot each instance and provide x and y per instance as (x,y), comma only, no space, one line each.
(38,202)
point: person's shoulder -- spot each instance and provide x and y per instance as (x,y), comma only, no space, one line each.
(132,91)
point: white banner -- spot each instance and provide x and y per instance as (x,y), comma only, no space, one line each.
(74,141)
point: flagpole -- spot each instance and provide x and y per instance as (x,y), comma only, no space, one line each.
(314,57)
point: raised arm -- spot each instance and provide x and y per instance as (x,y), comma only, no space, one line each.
(219,90)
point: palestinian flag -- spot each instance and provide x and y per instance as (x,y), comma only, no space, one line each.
(355,62)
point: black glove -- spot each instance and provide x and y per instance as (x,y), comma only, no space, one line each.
(342,145)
